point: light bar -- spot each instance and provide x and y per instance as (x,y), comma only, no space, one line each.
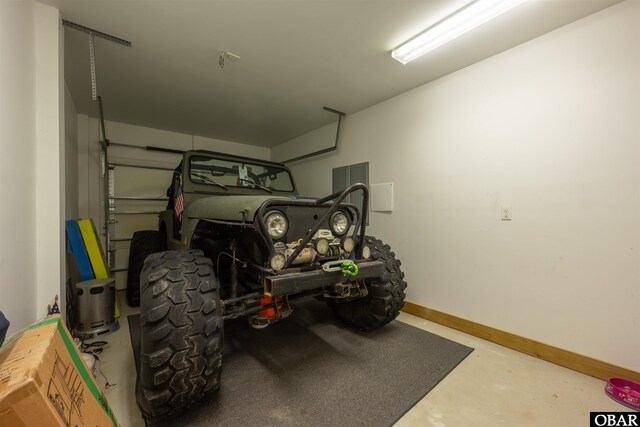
(466,19)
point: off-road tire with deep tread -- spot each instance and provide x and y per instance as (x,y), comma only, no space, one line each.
(181,334)
(143,244)
(386,293)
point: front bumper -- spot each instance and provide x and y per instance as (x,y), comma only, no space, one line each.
(291,283)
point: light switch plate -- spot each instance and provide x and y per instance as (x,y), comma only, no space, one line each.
(506,213)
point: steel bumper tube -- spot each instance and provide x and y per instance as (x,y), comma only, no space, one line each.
(291,283)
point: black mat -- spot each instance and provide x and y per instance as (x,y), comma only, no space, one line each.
(312,370)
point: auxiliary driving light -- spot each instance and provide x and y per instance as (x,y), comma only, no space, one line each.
(277,262)
(277,224)
(366,252)
(348,244)
(322,246)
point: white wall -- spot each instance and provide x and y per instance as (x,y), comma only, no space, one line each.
(17,149)
(550,128)
(50,158)
(136,182)
(31,160)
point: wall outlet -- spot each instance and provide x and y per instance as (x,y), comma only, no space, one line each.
(506,213)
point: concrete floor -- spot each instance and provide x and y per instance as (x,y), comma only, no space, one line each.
(493,386)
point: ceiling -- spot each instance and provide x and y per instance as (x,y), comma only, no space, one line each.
(296,56)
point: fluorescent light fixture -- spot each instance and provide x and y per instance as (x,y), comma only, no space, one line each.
(466,19)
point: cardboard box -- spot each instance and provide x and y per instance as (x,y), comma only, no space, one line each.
(45,382)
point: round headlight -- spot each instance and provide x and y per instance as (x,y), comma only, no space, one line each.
(339,223)
(348,244)
(276,224)
(322,246)
(277,262)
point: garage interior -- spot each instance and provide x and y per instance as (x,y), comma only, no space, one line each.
(502,167)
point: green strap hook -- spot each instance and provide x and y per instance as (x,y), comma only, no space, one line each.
(349,269)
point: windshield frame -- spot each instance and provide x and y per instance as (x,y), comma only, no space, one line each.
(234,189)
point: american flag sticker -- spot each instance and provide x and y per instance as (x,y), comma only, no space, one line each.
(178,207)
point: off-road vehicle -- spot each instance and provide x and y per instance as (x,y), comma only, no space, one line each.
(236,240)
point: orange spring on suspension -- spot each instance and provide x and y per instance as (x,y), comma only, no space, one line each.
(269,312)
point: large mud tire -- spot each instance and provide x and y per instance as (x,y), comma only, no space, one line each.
(181,334)
(143,244)
(386,293)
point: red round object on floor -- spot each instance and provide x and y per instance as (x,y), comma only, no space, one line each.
(624,392)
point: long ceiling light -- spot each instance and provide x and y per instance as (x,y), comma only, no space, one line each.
(466,19)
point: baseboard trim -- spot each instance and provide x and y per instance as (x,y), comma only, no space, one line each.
(577,362)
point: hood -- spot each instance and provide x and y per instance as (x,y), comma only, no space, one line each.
(230,208)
